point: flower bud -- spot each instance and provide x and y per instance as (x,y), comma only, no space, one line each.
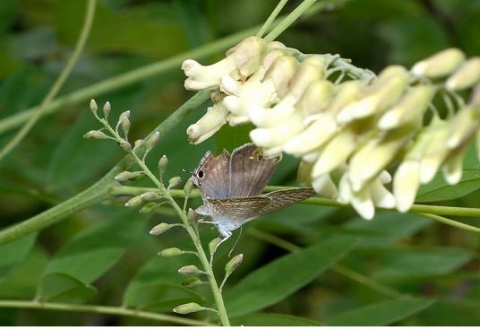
(126,175)
(440,64)
(96,135)
(466,76)
(192,281)
(233,264)
(152,141)
(316,97)
(125,145)
(93,106)
(149,207)
(376,99)
(124,121)
(161,228)
(190,270)
(173,182)
(135,201)
(187,189)
(281,72)
(411,105)
(171,252)
(208,125)
(139,148)
(150,196)
(192,215)
(188,308)
(463,125)
(346,93)
(162,165)
(212,246)
(246,55)
(106,109)
(203,77)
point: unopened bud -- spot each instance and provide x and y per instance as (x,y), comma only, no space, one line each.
(466,76)
(107,108)
(135,201)
(212,246)
(152,141)
(125,122)
(162,165)
(192,215)
(233,264)
(171,252)
(188,308)
(96,135)
(173,182)
(139,147)
(192,281)
(149,207)
(126,175)
(150,196)
(161,228)
(187,189)
(125,145)
(190,270)
(93,106)
(440,64)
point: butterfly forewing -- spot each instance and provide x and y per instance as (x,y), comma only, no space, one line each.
(211,175)
(249,171)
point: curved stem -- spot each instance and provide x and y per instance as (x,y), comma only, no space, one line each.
(114,83)
(37,114)
(120,311)
(100,190)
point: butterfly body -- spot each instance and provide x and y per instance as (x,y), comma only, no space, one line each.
(231,188)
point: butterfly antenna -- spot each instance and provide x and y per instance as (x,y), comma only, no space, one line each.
(236,242)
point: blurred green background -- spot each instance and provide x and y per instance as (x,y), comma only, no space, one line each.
(403,252)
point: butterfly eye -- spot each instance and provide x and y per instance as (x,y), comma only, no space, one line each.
(200,174)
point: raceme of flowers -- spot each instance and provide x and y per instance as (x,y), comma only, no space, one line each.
(346,124)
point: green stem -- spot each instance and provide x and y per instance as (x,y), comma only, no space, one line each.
(100,190)
(207,267)
(37,114)
(271,18)
(432,212)
(140,74)
(121,311)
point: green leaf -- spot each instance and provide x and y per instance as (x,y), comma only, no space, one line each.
(22,281)
(95,250)
(417,263)
(143,33)
(386,228)
(157,274)
(381,313)
(64,288)
(439,190)
(15,252)
(162,297)
(284,276)
(264,319)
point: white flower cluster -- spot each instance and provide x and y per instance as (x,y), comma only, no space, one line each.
(348,132)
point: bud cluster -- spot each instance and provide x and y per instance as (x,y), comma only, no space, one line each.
(347,132)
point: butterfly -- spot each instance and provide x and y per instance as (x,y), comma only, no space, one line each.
(231,187)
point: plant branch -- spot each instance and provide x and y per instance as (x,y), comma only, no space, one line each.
(120,311)
(98,191)
(40,110)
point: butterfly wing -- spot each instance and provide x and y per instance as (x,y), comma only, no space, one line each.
(249,171)
(282,198)
(211,175)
